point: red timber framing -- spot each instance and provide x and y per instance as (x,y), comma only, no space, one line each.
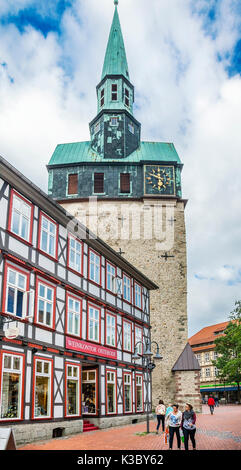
(51,384)
(26,274)
(4,352)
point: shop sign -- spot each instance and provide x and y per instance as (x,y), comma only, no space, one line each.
(90,348)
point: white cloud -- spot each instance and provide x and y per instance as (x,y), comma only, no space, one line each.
(183,95)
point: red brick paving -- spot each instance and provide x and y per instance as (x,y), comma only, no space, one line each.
(220,431)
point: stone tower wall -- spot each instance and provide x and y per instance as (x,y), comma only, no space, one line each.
(145,230)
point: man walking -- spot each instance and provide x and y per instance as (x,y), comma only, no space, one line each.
(211,404)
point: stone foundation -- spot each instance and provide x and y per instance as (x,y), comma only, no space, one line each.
(107,422)
(188,389)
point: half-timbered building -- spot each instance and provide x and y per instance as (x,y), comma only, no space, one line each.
(72,311)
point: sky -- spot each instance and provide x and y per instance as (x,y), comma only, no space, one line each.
(184,60)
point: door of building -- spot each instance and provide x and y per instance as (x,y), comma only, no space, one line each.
(90,391)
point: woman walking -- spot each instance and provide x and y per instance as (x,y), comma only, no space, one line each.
(160,413)
(188,426)
(173,421)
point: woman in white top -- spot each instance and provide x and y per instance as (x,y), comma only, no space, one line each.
(160,413)
(173,422)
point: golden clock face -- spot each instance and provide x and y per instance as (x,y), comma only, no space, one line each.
(159,179)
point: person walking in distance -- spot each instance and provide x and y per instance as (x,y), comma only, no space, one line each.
(160,413)
(173,421)
(188,426)
(211,404)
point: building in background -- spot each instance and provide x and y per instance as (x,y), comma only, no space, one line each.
(139,206)
(203,346)
(77,308)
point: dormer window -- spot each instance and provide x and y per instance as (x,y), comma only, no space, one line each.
(127,97)
(114,92)
(102,97)
(97,127)
(114,121)
(131,128)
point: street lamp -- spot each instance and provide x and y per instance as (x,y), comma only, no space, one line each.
(150,366)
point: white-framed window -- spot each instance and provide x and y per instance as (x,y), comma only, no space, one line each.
(207,357)
(73,315)
(75,254)
(11,387)
(45,304)
(207,372)
(111,392)
(215,355)
(72,390)
(126,288)
(138,339)
(127,336)
(138,302)
(21,217)
(48,236)
(42,388)
(127,392)
(94,323)
(89,391)
(110,330)
(94,267)
(139,393)
(16,286)
(198,357)
(110,276)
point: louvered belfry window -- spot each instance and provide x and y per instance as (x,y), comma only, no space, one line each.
(98,183)
(125,182)
(73,184)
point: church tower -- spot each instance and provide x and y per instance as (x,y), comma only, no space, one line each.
(135,203)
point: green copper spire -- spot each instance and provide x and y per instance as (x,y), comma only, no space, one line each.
(115,57)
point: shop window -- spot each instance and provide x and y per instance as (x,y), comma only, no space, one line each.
(126,288)
(11,386)
(138,302)
(94,267)
(16,286)
(93,323)
(127,393)
(110,276)
(139,393)
(73,315)
(127,336)
(72,390)
(42,388)
(48,236)
(45,304)
(75,252)
(73,183)
(89,392)
(98,183)
(111,392)
(110,330)
(125,183)
(21,217)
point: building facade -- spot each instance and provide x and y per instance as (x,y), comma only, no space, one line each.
(136,202)
(72,311)
(203,346)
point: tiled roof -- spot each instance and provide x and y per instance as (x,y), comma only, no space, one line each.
(207,334)
(81,152)
(186,360)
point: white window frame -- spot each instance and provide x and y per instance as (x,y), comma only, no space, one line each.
(50,235)
(96,319)
(127,286)
(110,276)
(127,336)
(110,380)
(16,289)
(207,372)
(43,374)
(139,337)
(46,302)
(139,384)
(112,328)
(138,294)
(96,265)
(12,370)
(76,315)
(77,250)
(77,379)
(20,211)
(128,383)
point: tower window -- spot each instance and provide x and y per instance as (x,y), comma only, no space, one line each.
(131,128)
(114,92)
(114,121)
(127,97)
(97,127)
(98,183)
(102,97)
(125,183)
(73,183)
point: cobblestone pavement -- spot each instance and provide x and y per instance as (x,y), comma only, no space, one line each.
(220,431)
